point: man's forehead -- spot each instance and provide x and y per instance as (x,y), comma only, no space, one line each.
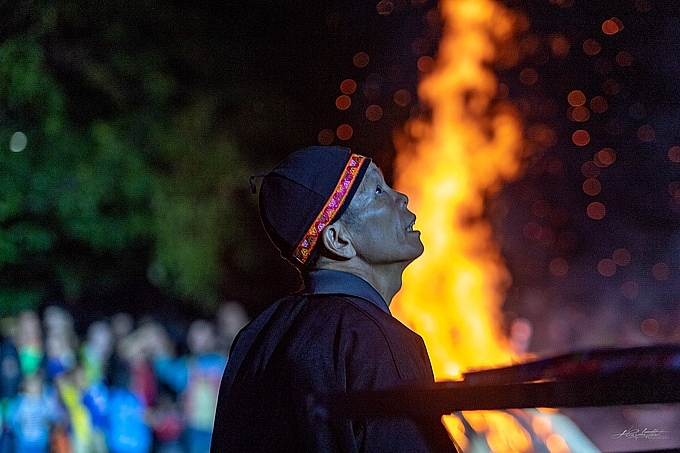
(372,176)
(374,171)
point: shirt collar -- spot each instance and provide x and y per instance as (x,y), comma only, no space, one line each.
(325,281)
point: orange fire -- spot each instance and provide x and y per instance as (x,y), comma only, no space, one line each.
(450,163)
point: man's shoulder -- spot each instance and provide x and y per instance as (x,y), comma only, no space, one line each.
(357,314)
(343,305)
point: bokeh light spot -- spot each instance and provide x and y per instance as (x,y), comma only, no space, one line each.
(576,98)
(540,208)
(558,267)
(624,59)
(621,257)
(344,132)
(348,86)
(590,170)
(591,47)
(604,157)
(674,153)
(606,267)
(596,210)
(402,97)
(520,334)
(599,104)
(530,44)
(661,271)
(18,142)
(674,190)
(646,133)
(612,26)
(543,135)
(325,137)
(592,187)
(361,59)
(559,46)
(425,63)
(650,327)
(580,137)
(374,112)
(343,102)
(385,7)
(578,114)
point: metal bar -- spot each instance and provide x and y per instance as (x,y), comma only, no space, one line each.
(619,380)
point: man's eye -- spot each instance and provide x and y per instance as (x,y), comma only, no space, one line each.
(378,190)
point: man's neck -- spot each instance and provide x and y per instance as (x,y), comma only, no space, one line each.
(385,279)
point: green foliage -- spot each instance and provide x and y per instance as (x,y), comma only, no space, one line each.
(127,169)
(195,218)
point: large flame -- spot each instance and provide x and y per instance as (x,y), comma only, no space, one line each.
(450,163)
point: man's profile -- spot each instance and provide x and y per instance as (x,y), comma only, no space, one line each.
(332,215)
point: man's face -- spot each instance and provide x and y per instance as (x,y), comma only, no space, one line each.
(380,223)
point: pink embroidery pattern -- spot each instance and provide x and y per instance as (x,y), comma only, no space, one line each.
(330,209)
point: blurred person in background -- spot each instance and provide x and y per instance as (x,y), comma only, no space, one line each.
(135,393)
(70,384)
(196,378)
(95,354)
(333,216)
(28,338)
(231,318)
(96,350)
(118,370)
(10,380)
(32,414)
(61,341)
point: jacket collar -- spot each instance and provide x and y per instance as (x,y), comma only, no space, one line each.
(325,281)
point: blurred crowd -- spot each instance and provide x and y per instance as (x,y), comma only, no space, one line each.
(139,385)
(125,385)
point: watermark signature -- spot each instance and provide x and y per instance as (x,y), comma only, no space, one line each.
(645,433)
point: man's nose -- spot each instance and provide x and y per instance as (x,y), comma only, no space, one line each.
(401,198)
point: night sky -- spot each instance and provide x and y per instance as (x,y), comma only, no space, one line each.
(590,232)
(592,237)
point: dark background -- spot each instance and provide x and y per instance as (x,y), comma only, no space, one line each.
(145,120)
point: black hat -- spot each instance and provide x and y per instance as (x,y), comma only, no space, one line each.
(304,193)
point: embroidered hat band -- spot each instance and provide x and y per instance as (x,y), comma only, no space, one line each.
(330,209)
(305,192)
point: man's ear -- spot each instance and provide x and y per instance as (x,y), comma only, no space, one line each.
(337,240)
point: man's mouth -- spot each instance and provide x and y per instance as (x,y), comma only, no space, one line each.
(410,227)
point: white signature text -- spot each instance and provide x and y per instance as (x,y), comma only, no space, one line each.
(645,433)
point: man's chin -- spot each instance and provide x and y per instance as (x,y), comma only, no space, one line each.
(416,254)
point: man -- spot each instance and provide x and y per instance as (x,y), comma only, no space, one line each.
(351,236)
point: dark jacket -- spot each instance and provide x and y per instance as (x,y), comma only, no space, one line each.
(337,335)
